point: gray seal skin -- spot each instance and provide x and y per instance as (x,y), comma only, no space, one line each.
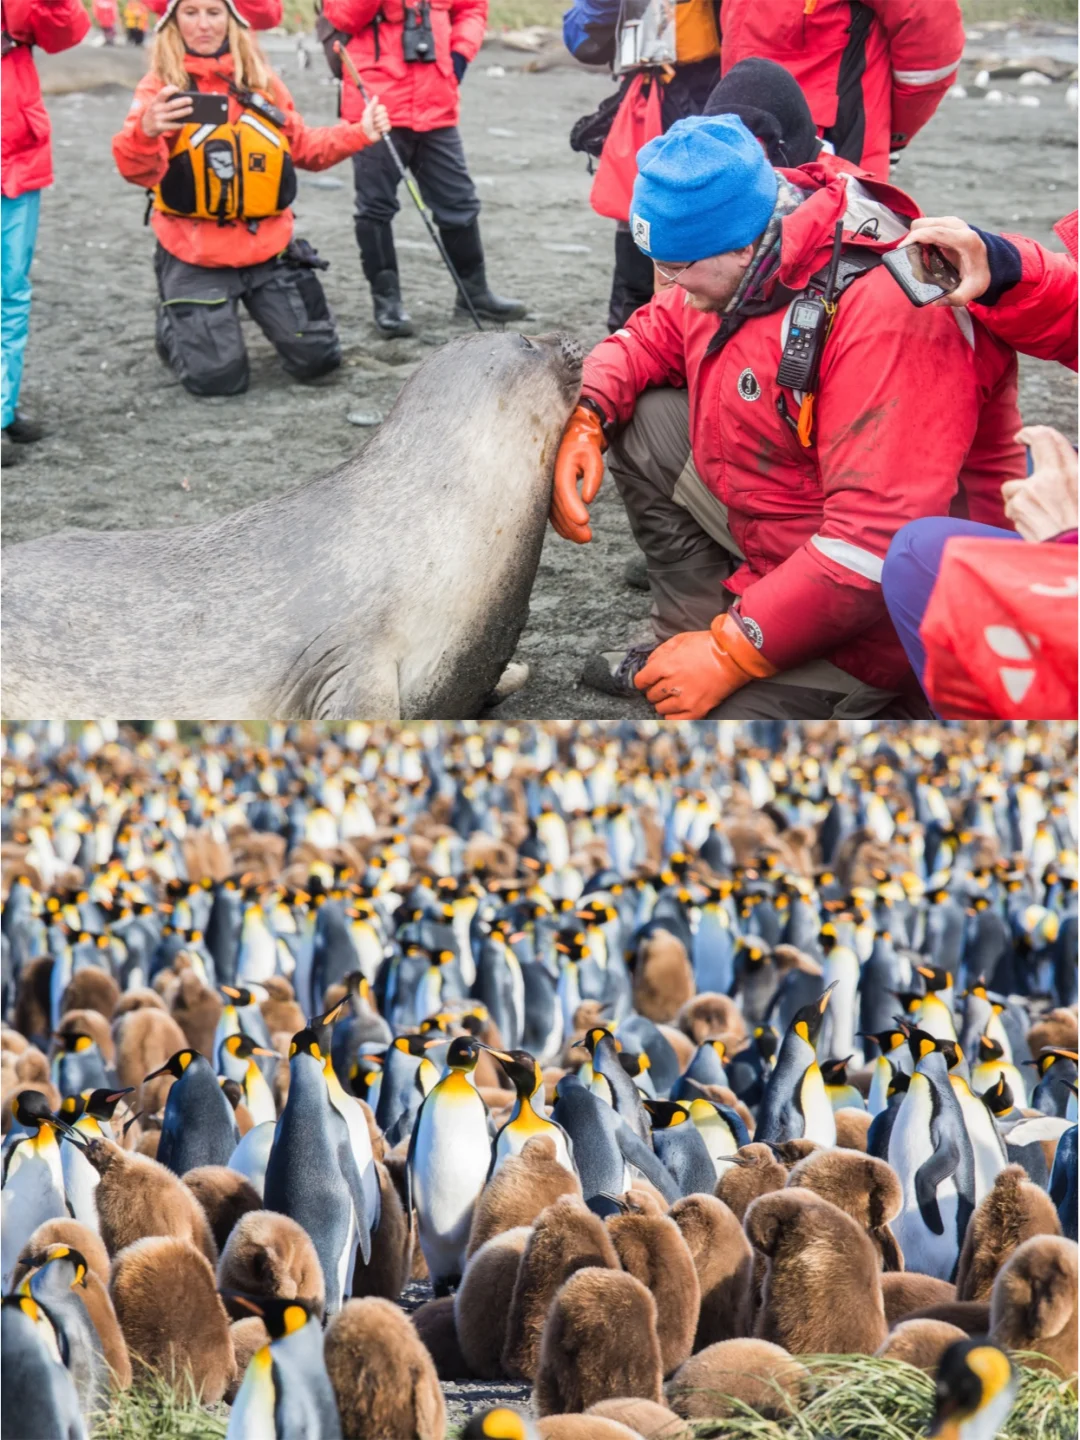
(395,587)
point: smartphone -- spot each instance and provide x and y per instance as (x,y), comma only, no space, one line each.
(922,272)
(205,109)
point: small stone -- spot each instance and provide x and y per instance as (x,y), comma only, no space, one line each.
(1035,77)
(501,134)
(1030,102)
(495,72)
(324,182)
(956,92)
(364,418)
(567,249)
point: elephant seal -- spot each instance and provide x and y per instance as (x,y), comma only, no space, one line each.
(393,588)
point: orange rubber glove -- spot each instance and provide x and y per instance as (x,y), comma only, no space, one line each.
(689,675)
(580,458)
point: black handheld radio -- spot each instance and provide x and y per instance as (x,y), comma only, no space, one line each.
(811,318)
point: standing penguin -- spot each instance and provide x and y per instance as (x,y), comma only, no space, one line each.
(993,1065)
(78,1065)
(90,1115)
(448,1163)
(706,1068)
(795,1105)
(680,1147)
(57,1283)
(931,1152)
(893,1055)
(838,1028)
(33,1186)
(258,1096)
(524,1073)
(311,1174)
(285,1391)
(842,1094)
(199,1127)
(40,1399)
(612,1082)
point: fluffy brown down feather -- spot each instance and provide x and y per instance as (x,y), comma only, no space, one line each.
(652,1249)
(1013,1211)
(383,1377)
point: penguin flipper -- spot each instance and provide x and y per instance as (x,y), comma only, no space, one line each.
(929,1176)
(635,1152)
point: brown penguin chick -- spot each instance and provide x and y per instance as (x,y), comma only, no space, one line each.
(63,1231)
(32,1003)
(248,1335)
(663,978)
(89,1022)
(566,1237)
(1013,1211)
(138,1197)
(790,1152)
(524,1185)
(756,1171)
(145,1039)
(172,1317)
(822,1290)
(147,1143)
(437,1328)
(643,1198)
(225,1195)
(713,1382)
(582,1427)
(482,1302)
(852,1127)
(905,1292)
(712,1014)
(91,989)
(920,1343)
(724,1261)
(383,1377)
(599,1342)
(645,1417)
(279,1009)
(392,1247)
(971,1316)
(1033,1303)
(141,998)
(269,1255)
(652,1249)
(197,1009)
(863,1187)
(32,1068)
(11,1042)
(1057,1029)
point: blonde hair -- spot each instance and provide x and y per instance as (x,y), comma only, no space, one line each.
(251,70)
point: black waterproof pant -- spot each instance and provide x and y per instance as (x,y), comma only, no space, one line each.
(437,160)
(198,324)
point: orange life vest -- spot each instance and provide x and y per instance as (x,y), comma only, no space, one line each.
(234,171)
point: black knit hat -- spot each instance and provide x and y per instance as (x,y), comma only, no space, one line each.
(770,103)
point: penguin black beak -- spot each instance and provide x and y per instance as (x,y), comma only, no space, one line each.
(115,1095)
(246,1301)
(500,1055)
(128,1124)
(262,1050)
(824,1001)
(154,1074)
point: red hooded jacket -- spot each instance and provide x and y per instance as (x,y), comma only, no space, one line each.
(25,152)
(260,14)
(143,161)
(915,414)
(1038,315)
(418,96)
(873,71)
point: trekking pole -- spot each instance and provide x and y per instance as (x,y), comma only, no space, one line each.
(410,185)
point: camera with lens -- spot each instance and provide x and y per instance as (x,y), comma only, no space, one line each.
(418,41)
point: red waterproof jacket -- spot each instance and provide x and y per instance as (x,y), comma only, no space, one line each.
(25,153)
(143,161)
(915,414)
(418,96)
(873,71)
(1038,315)
(260,14)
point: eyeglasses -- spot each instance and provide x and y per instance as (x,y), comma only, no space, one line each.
(671,273)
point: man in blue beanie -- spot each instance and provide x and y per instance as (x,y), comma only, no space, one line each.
(765,512)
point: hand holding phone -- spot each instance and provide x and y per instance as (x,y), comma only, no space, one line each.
(171,109)
(922,272)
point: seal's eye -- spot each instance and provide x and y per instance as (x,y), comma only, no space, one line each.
(526,343)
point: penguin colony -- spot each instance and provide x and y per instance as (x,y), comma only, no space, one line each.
(664,1057)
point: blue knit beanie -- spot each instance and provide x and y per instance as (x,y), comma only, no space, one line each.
(704,188)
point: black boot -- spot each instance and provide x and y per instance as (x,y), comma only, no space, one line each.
(467,256)
(379,259)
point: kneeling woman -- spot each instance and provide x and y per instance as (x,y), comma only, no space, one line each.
(220,192)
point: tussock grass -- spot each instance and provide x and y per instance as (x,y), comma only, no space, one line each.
(859,1397)
(154,1409)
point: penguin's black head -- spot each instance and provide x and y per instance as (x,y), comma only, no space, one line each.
(952,1052)
(834,1072)
(31,1109)
(75,1258)
(898,1083)
(175,1065)
(767,1040)
(596,1036)
(232,1091)
(665,1114)
(306,1042)
(971,1376)
(1049,1055)
(989,1049)
(242,1047)
(281,1317)
(102,1103)
(72,1042)
(237,996)
(909,999)
(999,1097)
(463,1053)
(498,1424)
(807,1021)
(634,1065)
(522,1069)
(887,1040)
(921,1043)
(935,978)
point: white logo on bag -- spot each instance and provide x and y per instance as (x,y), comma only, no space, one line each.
(1009,644)
(640,233)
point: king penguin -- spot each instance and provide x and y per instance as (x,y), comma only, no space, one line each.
(931,1152)
(57,1278)
(285,1391)
(524,1073)
(258,1096)
(448,1163)
(974,1392)
(680,1147)
(90,1115)
(842,1094)
(795,1105)
(40,1400)
(78,1065)
(311,1174)
(33,1187)
(199,1127)
(893,1055)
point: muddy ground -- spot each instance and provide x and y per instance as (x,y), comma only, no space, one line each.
(128,448)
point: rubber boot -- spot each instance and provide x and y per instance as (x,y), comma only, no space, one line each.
(379,261)
(467,257)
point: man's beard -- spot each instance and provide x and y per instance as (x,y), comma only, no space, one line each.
(706,305)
